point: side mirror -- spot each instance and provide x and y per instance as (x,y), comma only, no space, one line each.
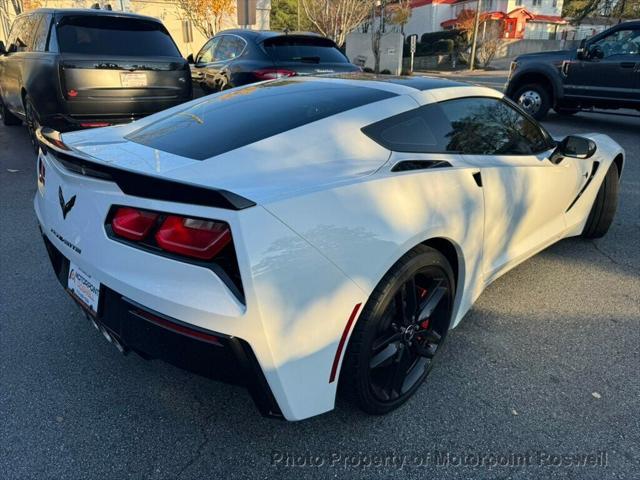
(582,52)
(3,49)
(595,52)
(190,59)
(574,147)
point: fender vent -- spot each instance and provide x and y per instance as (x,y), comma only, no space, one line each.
(407,165)
(594,169)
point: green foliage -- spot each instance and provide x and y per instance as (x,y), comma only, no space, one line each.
(284,16)
(442,35)
(436,43)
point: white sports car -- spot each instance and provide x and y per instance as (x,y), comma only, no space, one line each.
(303,234)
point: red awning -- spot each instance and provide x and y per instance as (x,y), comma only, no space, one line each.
(548,19)
(422,3)
(465,14)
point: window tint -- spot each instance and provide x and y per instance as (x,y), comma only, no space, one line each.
(206,53)
(488,126)
(230,47)
(421,131)
(111,35)
(230,120)
(42,34)
(622,42)
(481,126)
(291,48)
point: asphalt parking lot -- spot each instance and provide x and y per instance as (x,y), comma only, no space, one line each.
(546,364)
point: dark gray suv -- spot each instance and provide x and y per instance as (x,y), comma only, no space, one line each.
(70,69)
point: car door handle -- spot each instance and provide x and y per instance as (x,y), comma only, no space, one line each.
(627,64)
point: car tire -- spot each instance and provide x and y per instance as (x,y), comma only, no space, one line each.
(371,365)
(533,99)
(605,205)
(32,122)
(8,118)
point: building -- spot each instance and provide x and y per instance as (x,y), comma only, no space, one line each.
(518,19)
(166,10)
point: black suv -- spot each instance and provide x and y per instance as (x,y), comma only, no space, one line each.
(603,73)
(70,69)
(238,57)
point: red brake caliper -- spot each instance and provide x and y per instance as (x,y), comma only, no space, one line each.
(422,292)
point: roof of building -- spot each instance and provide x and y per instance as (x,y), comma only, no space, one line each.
(422,3)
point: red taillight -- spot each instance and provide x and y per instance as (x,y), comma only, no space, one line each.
(202,239)
(271,73)
(41,171)
(176,327)
(72,93)
(94,124)
(132,224)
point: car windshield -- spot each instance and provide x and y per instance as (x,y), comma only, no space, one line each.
(303,49)
(112,35)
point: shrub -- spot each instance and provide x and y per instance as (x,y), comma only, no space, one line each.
(433,37)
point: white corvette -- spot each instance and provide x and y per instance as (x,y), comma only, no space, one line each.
(297,235)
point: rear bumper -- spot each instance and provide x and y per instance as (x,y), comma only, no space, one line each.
(152,335)
(67,123)
(74,114)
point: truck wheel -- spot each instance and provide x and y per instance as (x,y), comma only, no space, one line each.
(604,206)
(534,99)
(8,118)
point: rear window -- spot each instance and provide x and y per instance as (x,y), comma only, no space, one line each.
(289,48)
(111,35)
(230,120)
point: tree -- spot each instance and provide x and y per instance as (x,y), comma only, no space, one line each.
(578,10)
(336,18)
(399,14)
(206,15)
(20,6)
(284,16)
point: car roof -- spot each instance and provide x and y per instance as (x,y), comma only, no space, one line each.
(414,81)
(91,11)
(261,35)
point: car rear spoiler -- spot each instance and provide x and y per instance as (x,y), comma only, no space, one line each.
(134,183)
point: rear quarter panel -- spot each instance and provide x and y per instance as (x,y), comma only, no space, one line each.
(40,79)
(366,227)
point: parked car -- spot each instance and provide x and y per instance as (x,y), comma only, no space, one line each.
(308,232)
(71,69)
(238,57)
(603,73)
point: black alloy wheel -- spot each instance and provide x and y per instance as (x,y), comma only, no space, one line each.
(401,332)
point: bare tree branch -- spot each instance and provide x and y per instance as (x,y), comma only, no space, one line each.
(336,18)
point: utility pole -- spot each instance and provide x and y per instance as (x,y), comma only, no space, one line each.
(476,23)
(298,15)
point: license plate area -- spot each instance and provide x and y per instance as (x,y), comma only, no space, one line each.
(133,80)
(84,288)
